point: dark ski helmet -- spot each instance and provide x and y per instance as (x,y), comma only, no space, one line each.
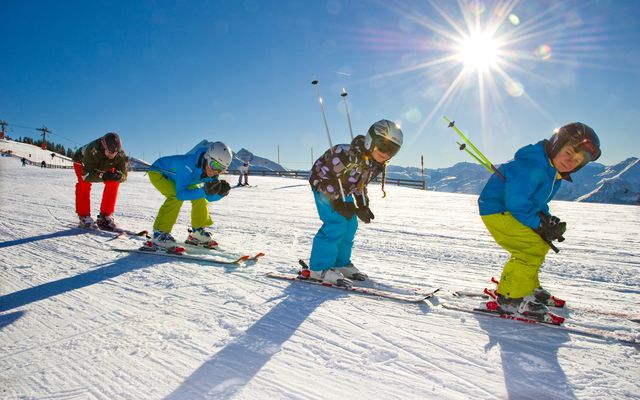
(384,135)
(111,141)
(580,136)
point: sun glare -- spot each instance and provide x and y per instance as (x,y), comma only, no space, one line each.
(478,52)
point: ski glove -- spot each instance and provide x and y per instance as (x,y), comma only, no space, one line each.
(363,211)
(347,210)
(551,228)
(364,214)
(220,188)
(112,176)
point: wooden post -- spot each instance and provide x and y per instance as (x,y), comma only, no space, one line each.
(422,163)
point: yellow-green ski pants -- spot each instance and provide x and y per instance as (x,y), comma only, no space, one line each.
(168,214)
(520,274)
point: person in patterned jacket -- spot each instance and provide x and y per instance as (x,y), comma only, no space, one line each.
(339,181)
(102,160)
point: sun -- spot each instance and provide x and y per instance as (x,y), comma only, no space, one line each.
(478,51)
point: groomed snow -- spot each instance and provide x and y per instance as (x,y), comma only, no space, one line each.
(80,321)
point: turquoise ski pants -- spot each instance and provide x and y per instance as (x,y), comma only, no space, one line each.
(333,243)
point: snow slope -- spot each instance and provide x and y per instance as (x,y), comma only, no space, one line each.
(34,154)
(80,321)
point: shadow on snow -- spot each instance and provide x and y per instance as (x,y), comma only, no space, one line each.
(68,232)
(237,363)
(529,355)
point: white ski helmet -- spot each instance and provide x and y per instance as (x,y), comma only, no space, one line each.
(384,135)
(218,156)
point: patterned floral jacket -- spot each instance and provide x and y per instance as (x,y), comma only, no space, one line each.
(350,164)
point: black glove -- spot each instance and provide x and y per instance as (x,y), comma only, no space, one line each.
(217,187)
(363,211)
(551,228)
(347,210)
(364,214)
(224,188)
(112,176)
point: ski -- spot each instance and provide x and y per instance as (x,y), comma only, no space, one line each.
(618,314)
(407,298)
(213,246)
(590,332)
(241,261)
(116,232)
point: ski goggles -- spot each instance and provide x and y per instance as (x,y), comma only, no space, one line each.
(216,166)
(387,147)
(589,150)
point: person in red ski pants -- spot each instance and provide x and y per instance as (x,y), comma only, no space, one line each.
(102,160)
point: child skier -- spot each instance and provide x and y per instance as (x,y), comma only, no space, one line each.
(102,160)
(515,211)
(195,177)
(337,177)
(244,172)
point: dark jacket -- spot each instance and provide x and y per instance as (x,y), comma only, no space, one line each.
(95,162)
(347,162)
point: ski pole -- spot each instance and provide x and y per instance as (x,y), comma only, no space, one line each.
(480,157)
(346,108)
(344,95)
(326,127)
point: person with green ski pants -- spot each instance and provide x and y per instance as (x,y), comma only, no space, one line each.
(514,207)
(193,177)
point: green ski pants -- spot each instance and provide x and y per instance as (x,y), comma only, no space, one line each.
(520,274)
(168,214)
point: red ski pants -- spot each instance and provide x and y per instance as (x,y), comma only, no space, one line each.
(83,195)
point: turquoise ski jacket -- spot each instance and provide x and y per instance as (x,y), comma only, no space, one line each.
(186,173)
(531,183)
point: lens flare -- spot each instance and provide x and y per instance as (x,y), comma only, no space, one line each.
(544,52)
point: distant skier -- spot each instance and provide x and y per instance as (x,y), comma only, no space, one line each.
(102,160)
(24,161)
(43,164)
(195,177)
(337,177)
(515,210)
(244,172)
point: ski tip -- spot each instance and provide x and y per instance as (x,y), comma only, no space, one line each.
(261,254)
(243,258)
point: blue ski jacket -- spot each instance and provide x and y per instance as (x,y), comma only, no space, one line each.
(531,183)
(186,173)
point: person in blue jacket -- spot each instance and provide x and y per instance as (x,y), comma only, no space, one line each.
(515,210)
(194,177)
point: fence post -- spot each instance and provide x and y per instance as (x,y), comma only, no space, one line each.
(422,163)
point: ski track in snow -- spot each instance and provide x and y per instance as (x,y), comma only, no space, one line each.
(80,321)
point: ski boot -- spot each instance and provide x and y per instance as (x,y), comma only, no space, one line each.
(531,307)
(86,222)
(541,294)
(507,305)
(528,308)
(106,223)
(330,276)
(202,238)
(351,272)
(546,298)
(163,240)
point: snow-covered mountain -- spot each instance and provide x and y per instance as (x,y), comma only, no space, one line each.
(79,320)
(256,163)
(619,184)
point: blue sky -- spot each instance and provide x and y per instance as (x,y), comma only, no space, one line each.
(166,74)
